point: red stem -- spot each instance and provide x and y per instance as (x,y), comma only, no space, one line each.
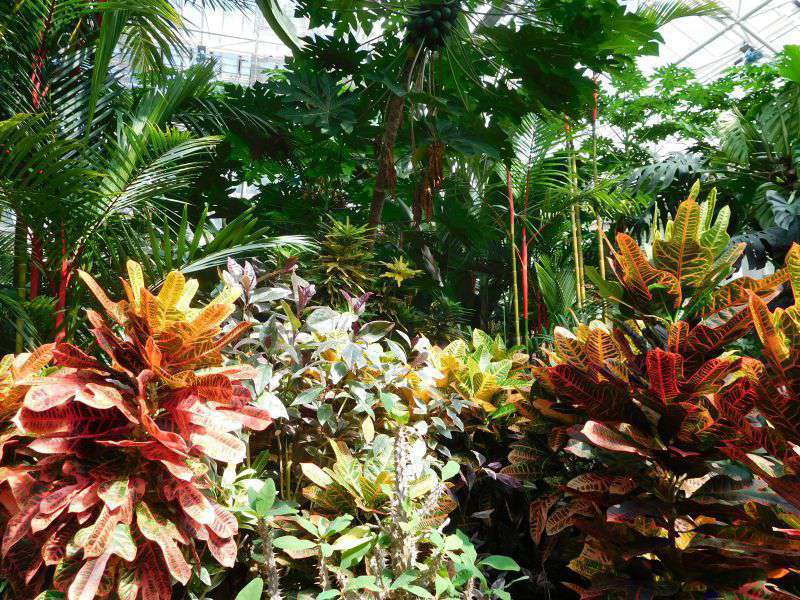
(39,60)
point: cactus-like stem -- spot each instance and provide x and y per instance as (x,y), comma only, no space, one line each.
(432,501)
(435,564)
(469,591)
(403,547)
(376,562)
(269,568)
(324,573)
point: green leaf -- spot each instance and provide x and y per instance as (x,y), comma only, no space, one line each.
(329,594)
(353,538)
(252,591)
(404,580)
(506,409)
(363,582)
(290,542)
(340,523)
(316,474)
(375,330)
(501,563)
(281,24)
(607,289)
(450,470)
(264,499)
(308,396)
(324,413)
(418,591)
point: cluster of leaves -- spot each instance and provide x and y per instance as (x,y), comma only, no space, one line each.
(737,130)
(361,470)
(455,98)
(479,370)
(110,464)
(689,487)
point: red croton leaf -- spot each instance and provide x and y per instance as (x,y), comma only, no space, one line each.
(143,423)
(537,515)
(664,370)
(608,439)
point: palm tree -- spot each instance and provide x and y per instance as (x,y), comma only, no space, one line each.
(85,157)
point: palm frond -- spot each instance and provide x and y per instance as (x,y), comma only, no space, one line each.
(662,12)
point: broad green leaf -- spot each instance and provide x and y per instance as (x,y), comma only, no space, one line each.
(252,591)
(450,470)
(501,563)
(316,474)
(290,542)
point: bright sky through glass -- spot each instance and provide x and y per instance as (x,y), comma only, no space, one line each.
(753,29)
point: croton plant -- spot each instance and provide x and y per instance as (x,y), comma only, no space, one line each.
(109,461)
(690,486)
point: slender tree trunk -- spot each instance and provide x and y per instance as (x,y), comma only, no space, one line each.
(601,250)
(523,260)
(575,217)
(512,228)
(385,181)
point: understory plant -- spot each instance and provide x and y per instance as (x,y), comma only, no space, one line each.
(357,454)
(112,461)
(682,491)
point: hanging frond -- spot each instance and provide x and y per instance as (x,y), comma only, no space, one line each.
(662,12)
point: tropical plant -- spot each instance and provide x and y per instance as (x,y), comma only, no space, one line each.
(770,388)
(113,460)
(480,369)
(373,498)
(87,162)
(649,403)
(346,260)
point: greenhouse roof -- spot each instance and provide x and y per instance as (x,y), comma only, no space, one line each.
(752,31)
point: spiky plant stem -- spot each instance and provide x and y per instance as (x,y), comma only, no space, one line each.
(268,568)
(403,547)
(324,573)
(469,591)
(376,563)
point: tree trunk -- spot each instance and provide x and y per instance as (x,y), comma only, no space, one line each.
(386,179)
(601,253)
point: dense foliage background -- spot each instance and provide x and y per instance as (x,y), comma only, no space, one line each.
(438,268)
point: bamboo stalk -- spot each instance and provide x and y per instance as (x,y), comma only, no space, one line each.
(524,262)
(601,250)
(575,223)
